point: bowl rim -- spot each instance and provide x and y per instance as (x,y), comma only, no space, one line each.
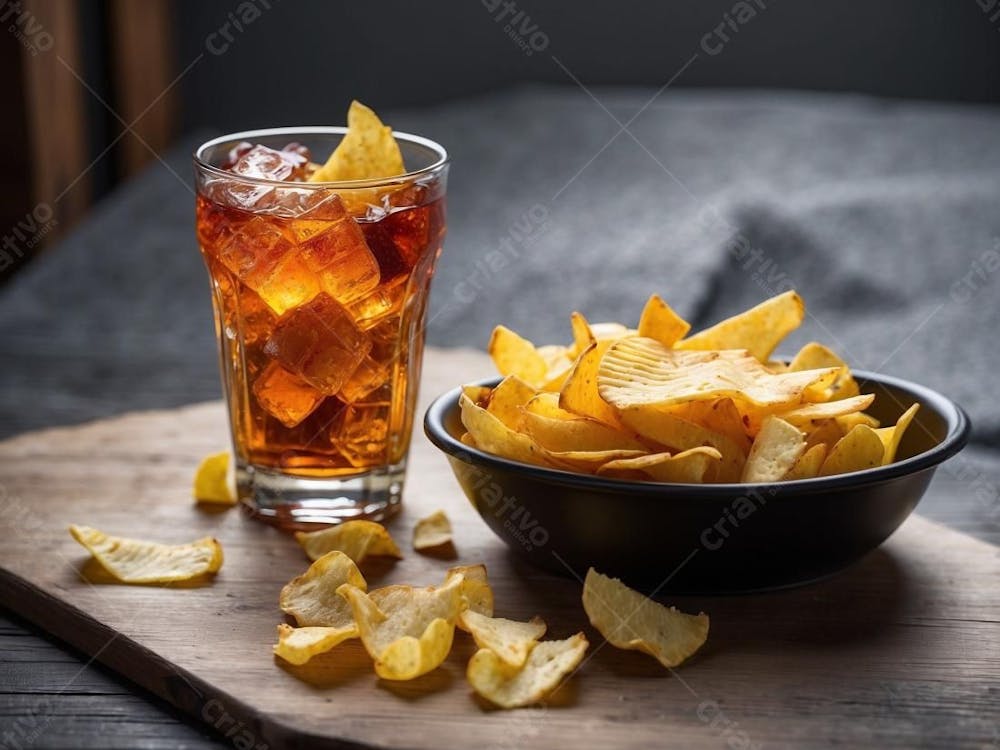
(956,438)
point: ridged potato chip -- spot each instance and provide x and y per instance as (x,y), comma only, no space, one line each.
(511,640)
(299,645)
(688,467)
(357,539)
(408,631)
(638,372)
(432,531)
(137,561)
(891,436)
(211,481)
(548,665)
(659,321)
(859,449)
(629,620)
(775,450)
(312,598)
(759,330)
(367,151)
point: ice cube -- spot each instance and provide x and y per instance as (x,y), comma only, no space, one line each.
(339,257)
(362,436)
(387,299)
(236,153)
(371,374)
(285,396)
(263,163)
(265,259)
(320,343)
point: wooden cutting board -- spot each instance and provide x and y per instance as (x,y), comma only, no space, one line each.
(902,650)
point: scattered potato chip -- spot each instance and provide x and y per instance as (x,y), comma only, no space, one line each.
(211,480)
(432,531)
(630,620)
(477,594)
(494,436)
(759,330)
(638,371)
(367,151)
(510,640)
(508,398)
(808,464)
(136,561)
(299,645)
(407,631)
(580,394)
(312,598)
(514,355)
(775,450)
(688,467)
(891,436)
(859,449)
(357,539)
(548,664)
(814,356)
(660,322)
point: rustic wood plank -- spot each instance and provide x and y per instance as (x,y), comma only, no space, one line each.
(900,651)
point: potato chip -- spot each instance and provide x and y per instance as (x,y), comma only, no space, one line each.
(688,467)
(514,355)
(137,561)
(408,631)
(814,356)
(806,413)
(507,398)
(311,598)
(848,422)
(639,371)
(511,640)
(548,665)
(660,322)
(299,645)
(775,450)
(580,394)
(211,481)
(629,620)
(493,436)
(759,330)
(589,461)
(432,531)
(891,436)
(720,416)
(468,441)
(477,594)
(357,539)
(822,431)
(579,434)
(583,337)
(859,449)
(808,464)
(367,151)
(681,435)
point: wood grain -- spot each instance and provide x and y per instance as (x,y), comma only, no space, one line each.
(900,651)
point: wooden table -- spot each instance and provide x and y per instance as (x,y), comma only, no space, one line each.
(899,651)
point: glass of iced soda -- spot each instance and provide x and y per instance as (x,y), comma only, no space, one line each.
(320,293)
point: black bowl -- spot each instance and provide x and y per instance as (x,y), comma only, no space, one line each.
(712,538)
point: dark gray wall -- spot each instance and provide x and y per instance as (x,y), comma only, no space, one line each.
(302,60)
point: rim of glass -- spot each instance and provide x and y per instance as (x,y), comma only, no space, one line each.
(246,135)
